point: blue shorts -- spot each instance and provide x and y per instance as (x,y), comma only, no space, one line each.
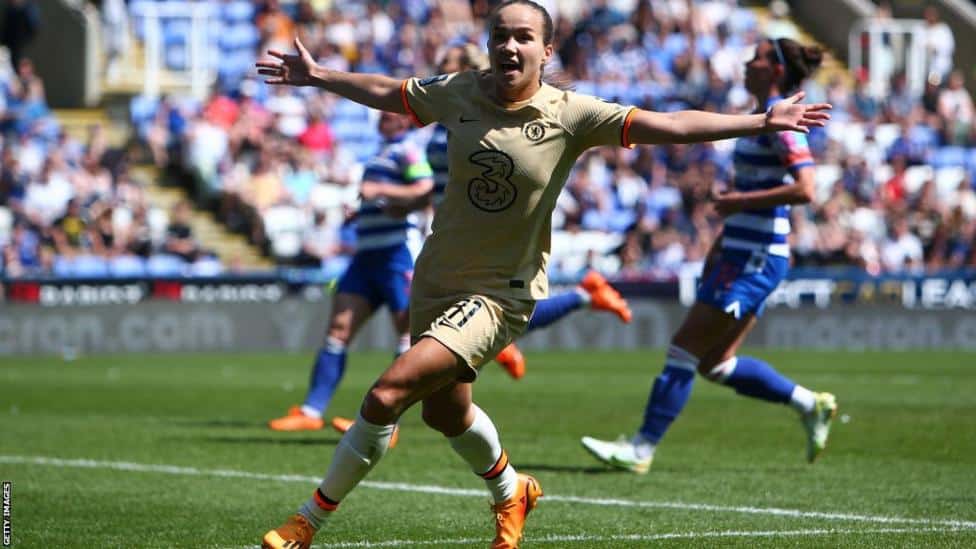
(381,276)
(739,281)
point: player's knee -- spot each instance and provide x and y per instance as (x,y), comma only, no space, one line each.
(384,402)
(717,369)
(340,331)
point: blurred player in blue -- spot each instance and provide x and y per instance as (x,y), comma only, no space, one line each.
(381,269)
(772,172)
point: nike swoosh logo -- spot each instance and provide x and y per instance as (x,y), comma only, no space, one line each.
(464,120)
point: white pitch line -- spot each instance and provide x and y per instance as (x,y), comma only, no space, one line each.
(442,490)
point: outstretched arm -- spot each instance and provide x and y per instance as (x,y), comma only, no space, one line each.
(652,128)
(373,90)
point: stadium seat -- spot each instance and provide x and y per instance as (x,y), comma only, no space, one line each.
(882,174)
(971,159)
(6,224)
(916,176)
(142,110)
(284,226)
(825,175)
(89,266)
(237,11)
(854,138)
(158,220)
(176,31)
(947,180)
(206,266)
(945,157)
(62,267)
(886,134)
(126,266)
(165,265)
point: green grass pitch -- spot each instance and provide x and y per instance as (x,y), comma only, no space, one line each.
(172,451)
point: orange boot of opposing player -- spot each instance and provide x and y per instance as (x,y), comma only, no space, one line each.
(603,297)
(342,424)
(510,514)
(512,360)
(296,420)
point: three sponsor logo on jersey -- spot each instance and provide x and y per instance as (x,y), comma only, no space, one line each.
(493,190)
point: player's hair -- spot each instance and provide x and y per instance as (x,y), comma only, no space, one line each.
(557,80)
(472,57)
(548,28)
(799,62)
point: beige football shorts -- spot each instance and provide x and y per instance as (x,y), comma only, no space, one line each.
(475,327)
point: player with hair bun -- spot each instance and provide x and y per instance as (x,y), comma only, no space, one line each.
(772,172)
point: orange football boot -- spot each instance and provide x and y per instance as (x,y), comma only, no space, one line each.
(342,424)
(603,297)
(296,420)
(296,533)
(512,360)
(510,514)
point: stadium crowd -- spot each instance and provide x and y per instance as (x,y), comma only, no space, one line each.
(895,175)
(73,209)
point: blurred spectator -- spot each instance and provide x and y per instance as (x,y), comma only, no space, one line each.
(21,21)
(276,27)
(179,235)
(902,250)
(956,108)
(105,243)
(69,231)
(115,23)
(322,243)
(779,24)
(317,136)
(298,154)
(939,43)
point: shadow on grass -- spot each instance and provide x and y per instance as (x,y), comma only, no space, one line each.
(276,440)
(211,423)
(589,470)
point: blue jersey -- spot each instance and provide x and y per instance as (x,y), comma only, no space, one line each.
(399,162)
(437,156)
(763,162)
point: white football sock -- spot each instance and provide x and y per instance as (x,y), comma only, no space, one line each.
(403,344)
(584,295)
(357,453)
(802,399)
(311,412)
(482,449)
(643,448)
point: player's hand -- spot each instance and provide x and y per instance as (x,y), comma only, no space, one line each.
(791,115)
(370,191)
(290,69)
(727,203)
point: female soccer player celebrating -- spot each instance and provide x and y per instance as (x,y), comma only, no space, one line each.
(745,266)
(513,142)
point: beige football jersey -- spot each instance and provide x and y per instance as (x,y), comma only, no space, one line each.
(507,166)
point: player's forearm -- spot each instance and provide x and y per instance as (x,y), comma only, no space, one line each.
(692,126)
(777,196)
(402,194)
(373,90)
